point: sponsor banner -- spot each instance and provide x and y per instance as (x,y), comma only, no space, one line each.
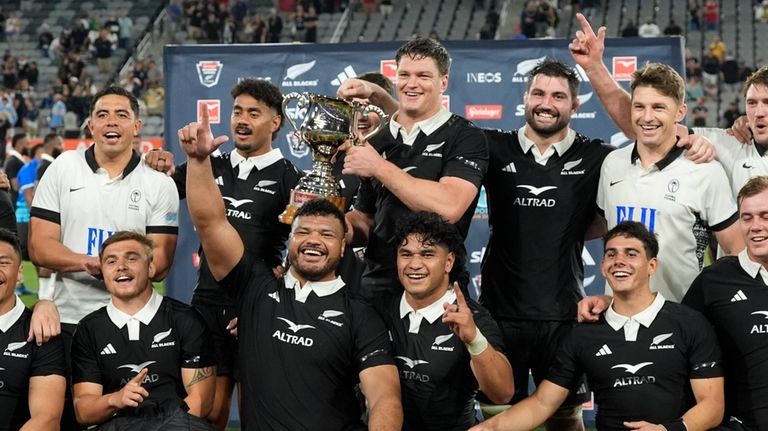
(484,112)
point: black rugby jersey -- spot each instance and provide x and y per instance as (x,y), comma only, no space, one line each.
(643,380)
(175,338)
(19,361)
(300,360)
(252,206)
(532,268)
(737,306)
(456,149)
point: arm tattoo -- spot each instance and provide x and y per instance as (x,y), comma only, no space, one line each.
(200,375)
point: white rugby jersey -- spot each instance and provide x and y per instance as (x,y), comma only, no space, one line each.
(89,206)
(677,200)
(740,161)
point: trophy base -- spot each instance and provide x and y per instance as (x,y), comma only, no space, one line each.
(299,198)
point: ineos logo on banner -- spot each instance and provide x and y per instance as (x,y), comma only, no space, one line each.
(484,77)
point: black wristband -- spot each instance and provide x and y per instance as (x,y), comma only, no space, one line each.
(675,425)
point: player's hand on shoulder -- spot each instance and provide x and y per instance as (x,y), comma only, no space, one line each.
(160,160)
(699,148)
(740,130)
(45,323)
(589,308)
(92,265)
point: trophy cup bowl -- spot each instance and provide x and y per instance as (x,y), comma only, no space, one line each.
(328,123)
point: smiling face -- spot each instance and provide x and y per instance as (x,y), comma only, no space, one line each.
(127,269)
(654,116)
(420,87)
(549,105)
(10,273)
(252,125)
(626,265)
(753,221)
(423,269)
(757,112)
(113,124)
(315,247)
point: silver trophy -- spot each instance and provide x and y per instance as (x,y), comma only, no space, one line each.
(327,124)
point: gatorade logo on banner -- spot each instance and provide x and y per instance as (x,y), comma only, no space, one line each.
(208,72)
(624,67)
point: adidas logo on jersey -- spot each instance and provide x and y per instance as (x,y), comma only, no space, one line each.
(429,150)
(108,350)
(160,336)
(739,296)
(274,295)
(11,349)
(262,185)
(439,340)
(328,314)
(509,168)
(604,351)
(657,340)
(569,166)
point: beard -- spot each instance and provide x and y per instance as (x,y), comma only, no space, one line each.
(560,123)
(315,272)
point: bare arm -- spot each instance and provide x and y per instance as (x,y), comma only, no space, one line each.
(46,249)
(46,402)
(359,227)
(200,384)
(587,50)
(92,406)
(450,197)
(360,89)
(530,412)
(730,239)
(162,253)
(381,387)
(597,229)
(223,246)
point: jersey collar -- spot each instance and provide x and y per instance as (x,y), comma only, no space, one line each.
(145,315)
(47,157)
(558,147)
(16,154)
(645,318)
(260,161)
(760,149)
(427,126)
(90,158)
(431,312)
(751,267)
(8,319)
(321,288)
(671,156)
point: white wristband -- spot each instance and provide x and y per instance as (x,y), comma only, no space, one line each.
(478,344)
(45,288)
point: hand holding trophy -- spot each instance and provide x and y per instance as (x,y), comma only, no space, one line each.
(327,124)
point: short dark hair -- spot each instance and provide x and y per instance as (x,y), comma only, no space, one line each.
(49,138)
(556,69)
(321,207)
(432,230)
(16,138)
(662,78)
(36,149)
(424,47)
(378,79)
(10,237)
(751,188)
(128,235)
(758,77)
(118,91)
(261,90)
(633,229)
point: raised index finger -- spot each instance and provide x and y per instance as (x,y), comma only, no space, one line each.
(585,26)
(205,118)
(459,295)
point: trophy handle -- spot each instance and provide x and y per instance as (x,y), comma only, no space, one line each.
(383,120)
(303,101)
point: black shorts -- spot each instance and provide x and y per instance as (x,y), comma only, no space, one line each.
(532,345)
(217,318)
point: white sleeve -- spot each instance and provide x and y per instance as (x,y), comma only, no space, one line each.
(719,206)
(47,203)
(163,216)
(726,145)
(600,200)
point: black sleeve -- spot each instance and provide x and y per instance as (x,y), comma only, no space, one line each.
(694,297)
(7,214)
(566,370)
(49,359)
(180,179)
(196,341)
(704,358)
(372,345)
(468,157)
(242,275)
(85,367)
(366,197)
